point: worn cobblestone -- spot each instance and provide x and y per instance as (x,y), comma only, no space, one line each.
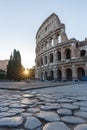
(45,108)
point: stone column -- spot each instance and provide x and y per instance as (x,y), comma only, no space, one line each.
(62,54)
(74,73)
(86,69)
(55,56)
(55,75)
(73,52)
(55,40)
(63,74)
(48,43)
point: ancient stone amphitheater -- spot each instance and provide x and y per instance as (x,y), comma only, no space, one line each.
(57,57)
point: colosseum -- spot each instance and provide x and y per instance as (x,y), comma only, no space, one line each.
(57,57)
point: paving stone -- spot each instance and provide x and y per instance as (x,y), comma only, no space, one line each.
(49,107)
(47,100)
(4,104)
(81,114)
(70,106)
(48,116)
(26,114)
(4,114)
(81,103)
(83,109)
(17,105)
(63,111)
(73,119)
(32,123)
(16,110)
(63,100)
(33,110)
(3,109)
(28,95)
(11,121)
(55,126)
(81,127)
(29,101)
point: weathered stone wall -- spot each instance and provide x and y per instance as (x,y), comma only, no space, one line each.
(57,57)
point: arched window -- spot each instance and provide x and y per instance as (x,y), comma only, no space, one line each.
(51,58)
(45,59)
(81,73)
(82,53)
(59,75)
(52,42)
(41,61)
(59,38)
(59,55)
(68,53)
(46,75)
(51,75)
(69,74)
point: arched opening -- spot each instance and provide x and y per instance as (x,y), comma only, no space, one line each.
(41,61)
(46,75)
(45,59)
(51,58)
(59,38)
(51,75)
(69,74)
(82,53)
(68,53)
(41,75)
(59,75)
(52,42)
(81,73)
(59,55)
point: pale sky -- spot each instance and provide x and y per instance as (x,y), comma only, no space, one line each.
(20,20)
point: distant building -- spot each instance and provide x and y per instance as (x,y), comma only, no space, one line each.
(57,57)
(3,64)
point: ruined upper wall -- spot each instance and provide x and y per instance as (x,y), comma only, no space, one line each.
(49,25)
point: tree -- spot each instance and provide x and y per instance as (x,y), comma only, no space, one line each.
(14,67)
(32,73)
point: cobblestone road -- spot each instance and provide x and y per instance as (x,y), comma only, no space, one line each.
(55,108)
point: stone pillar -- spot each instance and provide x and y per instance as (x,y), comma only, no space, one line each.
(86,69)
(55,40)
(48,43)
(55,56)
(48,60)
(63,74)
(73,52)
(62,54)
(55,75)
(74,73)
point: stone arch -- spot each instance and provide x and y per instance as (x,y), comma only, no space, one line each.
(69,74)
(82,53)
(68,53)
(51,58)
(59,75)
(51,75)
(46,75)
(59,55)
(80,73)
(45,58)
(52,42)
(41,61)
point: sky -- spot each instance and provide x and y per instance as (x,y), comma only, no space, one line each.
(20,20)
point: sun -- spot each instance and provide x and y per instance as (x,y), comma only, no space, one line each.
(26,72)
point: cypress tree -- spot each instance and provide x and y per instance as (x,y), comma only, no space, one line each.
(14,67)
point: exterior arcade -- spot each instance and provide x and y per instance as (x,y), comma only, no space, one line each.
(57,57)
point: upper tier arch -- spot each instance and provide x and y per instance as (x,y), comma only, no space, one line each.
(51,24)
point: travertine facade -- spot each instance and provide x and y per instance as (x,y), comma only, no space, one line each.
(57,57)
